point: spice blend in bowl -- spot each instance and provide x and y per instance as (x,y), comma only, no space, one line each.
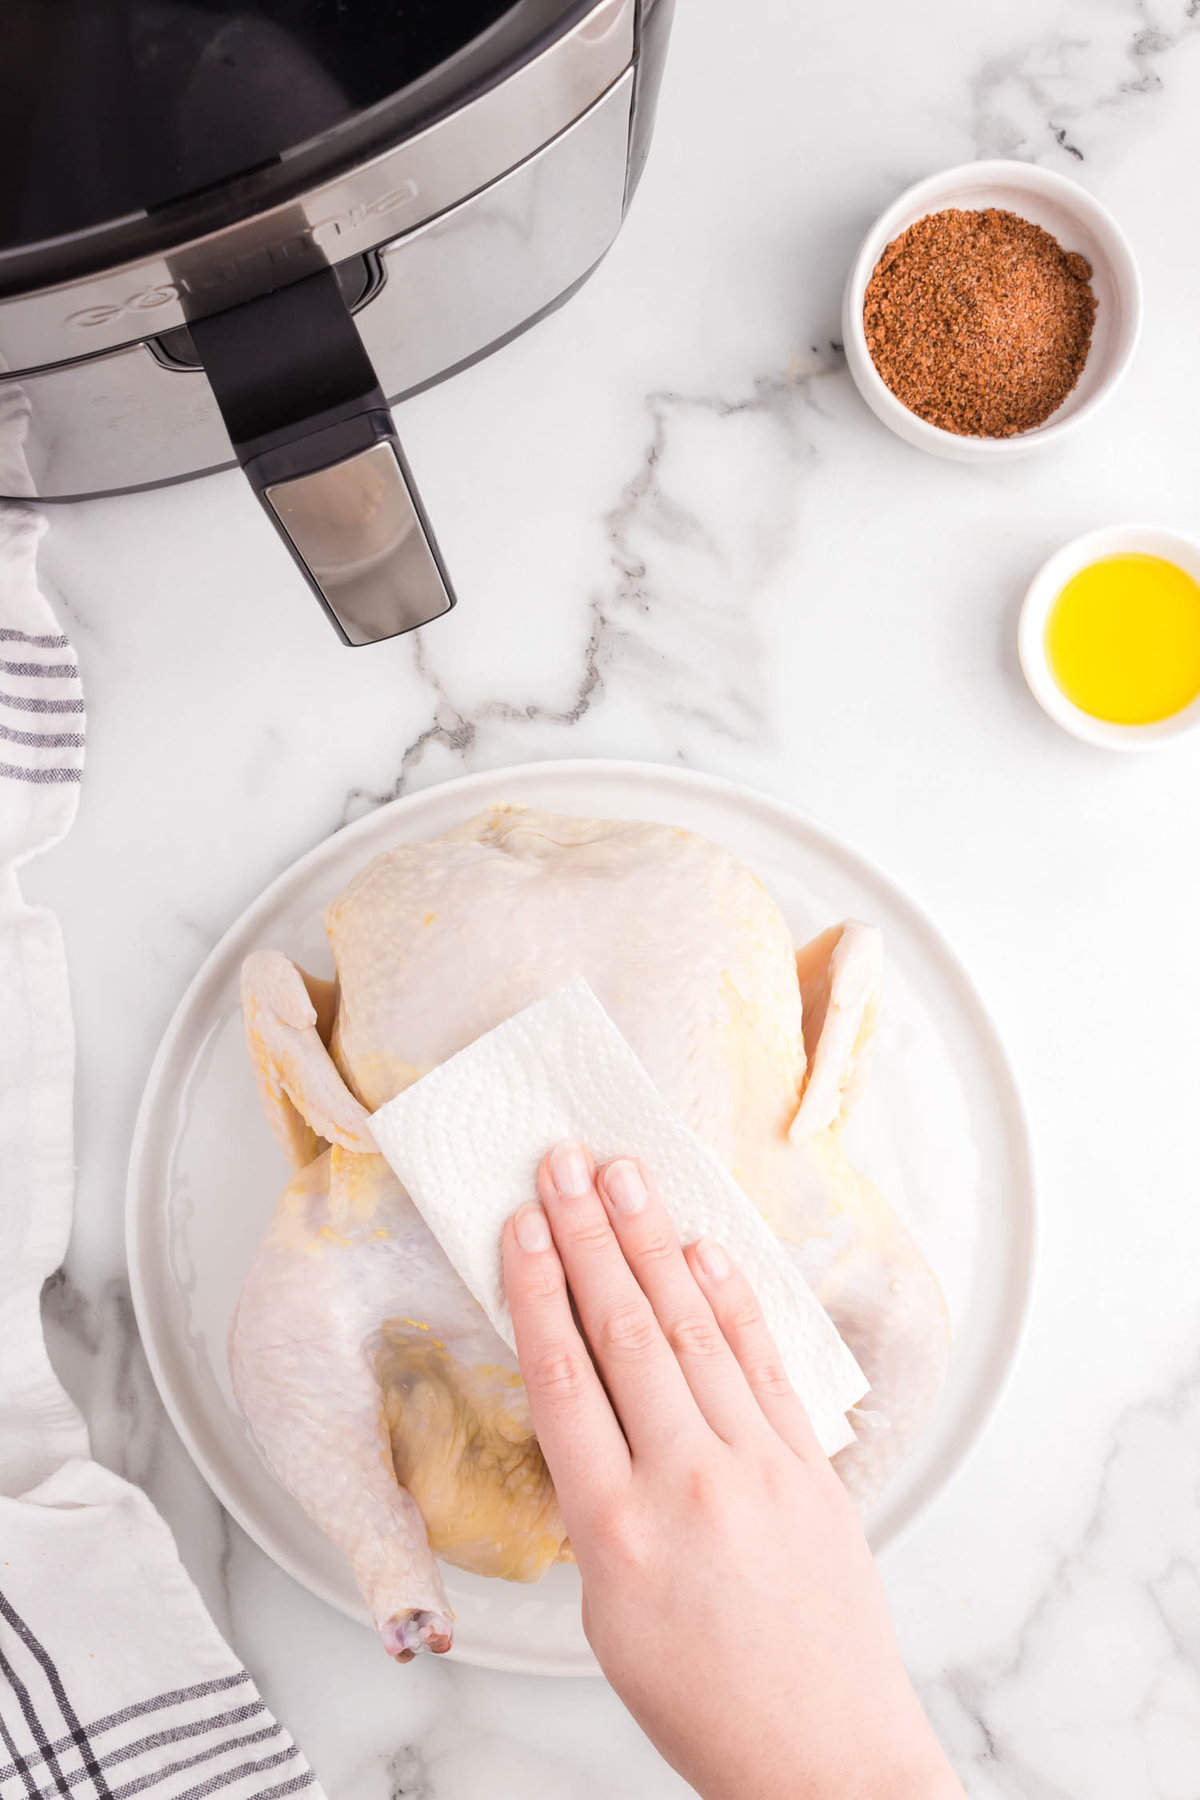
(979,321)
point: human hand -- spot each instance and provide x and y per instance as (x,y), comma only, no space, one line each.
(728,1591)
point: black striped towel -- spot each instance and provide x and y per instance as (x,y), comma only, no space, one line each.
(41,700)
(114,1681)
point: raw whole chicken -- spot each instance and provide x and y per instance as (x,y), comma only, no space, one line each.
(375,1386)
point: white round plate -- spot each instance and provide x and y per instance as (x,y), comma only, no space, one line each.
(940,1129)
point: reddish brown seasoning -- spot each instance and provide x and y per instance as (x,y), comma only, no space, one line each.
(979,322)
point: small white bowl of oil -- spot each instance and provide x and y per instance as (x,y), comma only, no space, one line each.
(1109,637)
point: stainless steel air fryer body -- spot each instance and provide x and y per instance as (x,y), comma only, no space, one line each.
(270,317)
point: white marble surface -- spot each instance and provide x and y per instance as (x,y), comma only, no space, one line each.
(678,534)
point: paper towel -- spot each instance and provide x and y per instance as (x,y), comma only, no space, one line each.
(466,1141)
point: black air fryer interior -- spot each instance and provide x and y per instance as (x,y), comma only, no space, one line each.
(126,125)
(127,108)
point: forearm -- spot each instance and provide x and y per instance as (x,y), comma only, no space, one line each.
(924,1777)
(893,1755)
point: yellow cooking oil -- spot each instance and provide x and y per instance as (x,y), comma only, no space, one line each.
(1123,639)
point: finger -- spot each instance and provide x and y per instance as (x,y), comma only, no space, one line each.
(740,1317)
(646,1384)
(578,1432)
(652,1249)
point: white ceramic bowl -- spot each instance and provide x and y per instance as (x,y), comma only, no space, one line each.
(1044,589)
(1079,223)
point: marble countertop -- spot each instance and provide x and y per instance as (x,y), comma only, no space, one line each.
(678,534)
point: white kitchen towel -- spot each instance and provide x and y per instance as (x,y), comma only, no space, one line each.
(113,1679)
(467,1138)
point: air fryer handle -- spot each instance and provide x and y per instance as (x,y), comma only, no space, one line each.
(312,430)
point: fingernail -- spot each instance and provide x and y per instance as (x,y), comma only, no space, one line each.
(532,1229)
(713,1260)
(624,1186)
(569,1171)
